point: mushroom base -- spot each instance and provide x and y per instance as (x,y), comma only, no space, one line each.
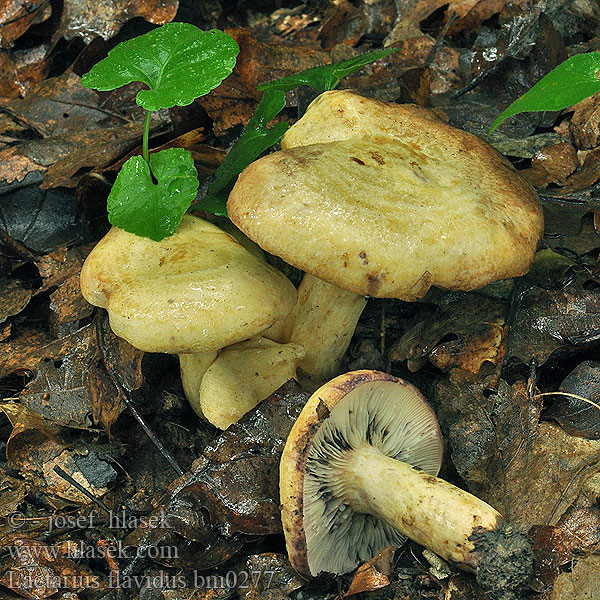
(506,566)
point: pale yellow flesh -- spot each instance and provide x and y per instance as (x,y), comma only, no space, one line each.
(192,368)
(323,322)
(195,291)
(243,375)
(424,508)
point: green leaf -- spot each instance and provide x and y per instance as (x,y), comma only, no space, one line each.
(326,77)
(149,209)
(572,81)
(177,61)
(255,139)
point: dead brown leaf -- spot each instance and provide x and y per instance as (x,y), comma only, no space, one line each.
(373,574)
(61,105)
(259,62)
(552,164)
(39,572)
(582,583)
(16,16)
(474,324)
(587,175)
(585,122)
(229,104)
(58,391)
(106,17)
(61,157)
(271,577)
(14,297)
(412,12)
(248,453)
(552,548)
(531,472)
(22,69)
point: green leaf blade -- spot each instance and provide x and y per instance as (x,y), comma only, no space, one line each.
(151,210)
(254,140)
(326,77)
(177,61)
(570,82)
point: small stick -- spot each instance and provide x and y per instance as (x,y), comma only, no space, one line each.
(159,445)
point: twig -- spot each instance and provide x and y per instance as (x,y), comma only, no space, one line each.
(159,445)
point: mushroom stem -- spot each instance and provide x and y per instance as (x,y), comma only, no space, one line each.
(427,509)
(323,322)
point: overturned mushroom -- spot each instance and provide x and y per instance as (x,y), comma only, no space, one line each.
(386,200)
(192,293)
(358,472)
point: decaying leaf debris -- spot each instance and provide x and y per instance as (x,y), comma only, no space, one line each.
(90,507)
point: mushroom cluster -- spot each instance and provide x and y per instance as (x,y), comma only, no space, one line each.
(384,200)
(196,293)
(359,472)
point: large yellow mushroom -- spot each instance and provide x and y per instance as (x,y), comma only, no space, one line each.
(385,200)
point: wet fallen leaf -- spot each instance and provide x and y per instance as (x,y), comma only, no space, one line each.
(552,164)
(587,175)
(466,331)
(16,17)
(106,17)
(248,453)
(259,62)
(582,583)
(531,472)
(61,105)
(58,391)
(22,69)
(552,548)
(585,122)
(121,360)
(12,493)
(270,577)
(343,22)
(372,575)
(228,105)
(549,319)
(43,220)
(412,13)
(14,297)
(38,572)
(574,414)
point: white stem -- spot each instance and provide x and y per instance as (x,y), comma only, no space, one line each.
(426,509)
(323,322)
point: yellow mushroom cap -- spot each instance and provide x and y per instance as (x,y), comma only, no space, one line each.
(386,200)
(195,291)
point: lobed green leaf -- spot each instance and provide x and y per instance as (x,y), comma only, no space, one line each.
(149,209)
(326,77)
(177,61)
(570,82)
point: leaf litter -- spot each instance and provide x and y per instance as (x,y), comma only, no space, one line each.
(511,369)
